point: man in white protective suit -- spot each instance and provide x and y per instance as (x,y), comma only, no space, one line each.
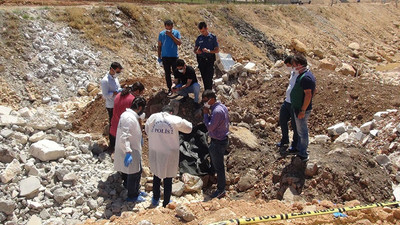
(163,132)
(128,149)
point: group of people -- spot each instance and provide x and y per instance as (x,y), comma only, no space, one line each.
(185,82)
(126,107)
(126,112)
(297,107)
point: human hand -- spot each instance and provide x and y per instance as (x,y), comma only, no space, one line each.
(206,110)
(198,51)
(128,159)
(168,33)
(301,115)
(206,50)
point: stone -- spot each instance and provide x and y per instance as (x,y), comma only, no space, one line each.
(85,209)
(279,64)
(26,112)
(29,187)
(43,124)
(224,61)
(37,137)
(7,154)
(380,115)
(9,120)
(248,180)
(47,150)
(225,78)
(46,100)
(337,129)
(178,188)
(44,214)
(145,222)
(55,98)
(92,204)
(218,81)
(321,138)
(396,214)
(7,206)
(250,67)
(67,210)
(382,159)
(374,133)
(354,46)
(319,53)
(61,194)
(11,171)
(4,110)
(242,136)
(34,205)
(326,64)
(192,183)
(347,69)
(298,46)
(366,127)
(184,213)
(290,194)
(118,24)
(6,133)
(311,169)
(20,137)
(70,179)
(34,220)
(63,125)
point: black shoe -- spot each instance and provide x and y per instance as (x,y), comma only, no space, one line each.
(218,194)
(304,159)
(293,151)
(280,144)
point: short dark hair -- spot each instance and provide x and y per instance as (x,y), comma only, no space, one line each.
(168,22)
(209,94)
(289,59)
(116,65)
(168,109)
(300,59)
(137,86)
(202,25)
(180,62)
(137,102)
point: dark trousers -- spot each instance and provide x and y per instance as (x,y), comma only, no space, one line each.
(133,183)
(110,114)
(169,64)
(206,67)
(167,189)
(217,150)
(124,177)
(286,113)
(110,137)
(112,142)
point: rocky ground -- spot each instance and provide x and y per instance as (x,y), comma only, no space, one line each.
(53,125)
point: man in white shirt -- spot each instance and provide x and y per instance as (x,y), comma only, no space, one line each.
(128,149)
(109,89)
(163,132)
(286,113)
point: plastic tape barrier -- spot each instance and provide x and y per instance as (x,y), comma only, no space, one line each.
(262,219)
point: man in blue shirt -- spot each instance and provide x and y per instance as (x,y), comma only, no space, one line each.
(168,41)
(216,119)
(205,48)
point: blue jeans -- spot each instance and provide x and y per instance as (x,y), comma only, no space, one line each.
(217,150)
(302,130)
(194,88)
(286,113)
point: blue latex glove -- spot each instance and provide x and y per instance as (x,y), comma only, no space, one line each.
(338,214)
(119,90)
(142,142)
(128,159)
(159,60)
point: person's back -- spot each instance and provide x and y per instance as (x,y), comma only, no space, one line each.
(163,133)
(121,103)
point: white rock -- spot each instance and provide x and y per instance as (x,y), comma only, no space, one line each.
(61,194)
(347,69)
(184,213)
(224,61)
(37,137)
(145,222)
(67,210)
(250,67)
(6,133)
(279,64)
(225,77)
(311,169)
(43,124)
(192,183)
(290,194)
(20,137)
(178,188)
(379,115)
(55,98)
(321,138)
(359,136)
(118,24)
(26,112)
(218,81)
(248,180)
(8,120)
(7,206)
(343,138)
(382,159)
(46,100)
(366,127)
(354,46)
(11,171)
(396,192)
(63,125)
(374,133)
(46,150)
(34,205)
(4,110)
(34,220)
(29,187)
(337,129)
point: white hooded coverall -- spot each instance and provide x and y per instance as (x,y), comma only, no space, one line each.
(128,139)
(163,133)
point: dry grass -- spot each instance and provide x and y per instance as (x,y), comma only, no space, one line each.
(10,32)
(141,18)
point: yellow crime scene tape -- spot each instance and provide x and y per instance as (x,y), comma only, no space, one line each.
(261,219)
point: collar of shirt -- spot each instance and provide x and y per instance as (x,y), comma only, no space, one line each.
(110,76)
(132,112)
(215,105)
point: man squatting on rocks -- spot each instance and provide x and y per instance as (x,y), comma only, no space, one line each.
(186,81)
(216,119)
(122,101)
(110,88)
(301,98)
(128,149)
(206,46)
(163,132)
(286,112)
(168,41)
